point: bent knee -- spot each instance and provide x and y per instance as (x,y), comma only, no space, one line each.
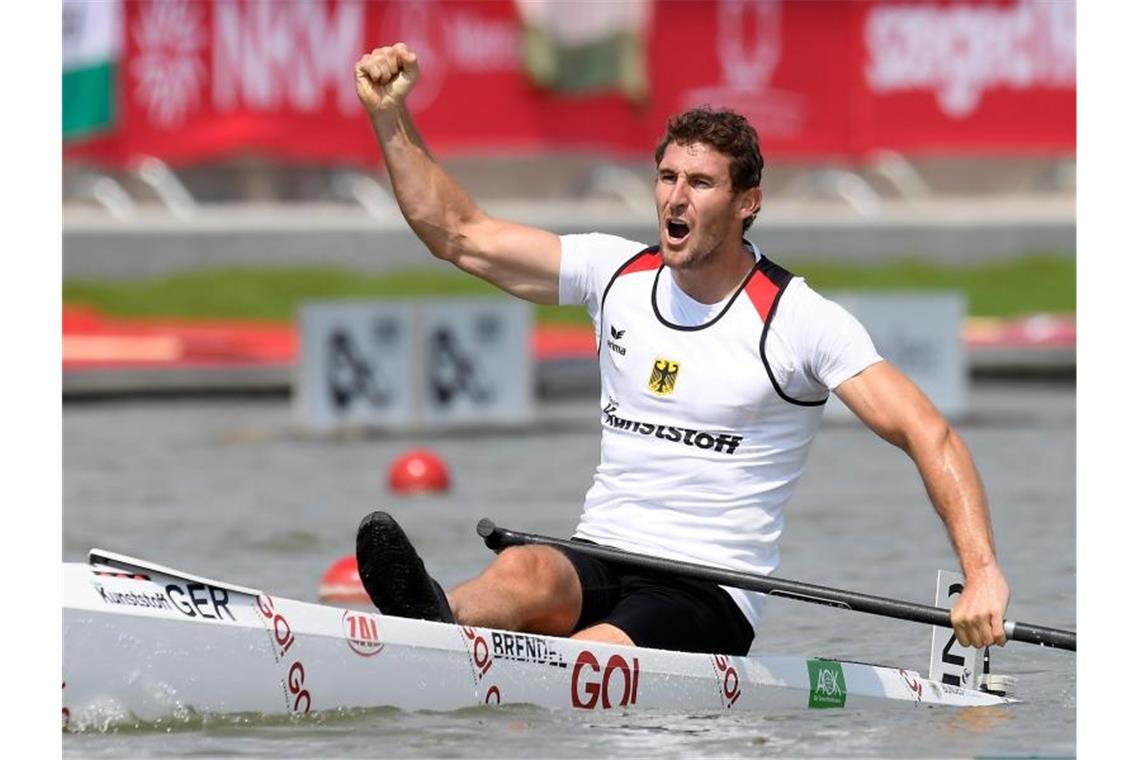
(540,566)
(545,586)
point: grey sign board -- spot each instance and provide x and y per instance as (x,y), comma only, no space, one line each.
(921,334)
(405,365)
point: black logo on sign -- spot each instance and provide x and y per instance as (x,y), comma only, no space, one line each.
(487,328)
(663,378)
(349,374)
(453,372)
(948,657)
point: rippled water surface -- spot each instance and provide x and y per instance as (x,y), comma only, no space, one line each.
(229,489)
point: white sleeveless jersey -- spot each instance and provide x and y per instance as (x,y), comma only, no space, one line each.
(707,411)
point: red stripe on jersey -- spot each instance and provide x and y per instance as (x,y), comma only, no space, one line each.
(762,292)
(644,262)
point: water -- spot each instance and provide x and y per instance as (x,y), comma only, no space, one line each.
(229,489)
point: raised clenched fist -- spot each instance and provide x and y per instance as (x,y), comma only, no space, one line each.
(385,76)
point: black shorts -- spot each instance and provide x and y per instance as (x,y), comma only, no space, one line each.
(658,610)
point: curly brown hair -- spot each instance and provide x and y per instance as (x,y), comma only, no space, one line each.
(725,131)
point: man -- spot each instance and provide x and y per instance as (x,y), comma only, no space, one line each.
(715,364)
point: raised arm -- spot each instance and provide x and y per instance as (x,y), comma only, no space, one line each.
(892,406)
(521,260)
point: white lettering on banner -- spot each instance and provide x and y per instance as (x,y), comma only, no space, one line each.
(748,68)
(749,51)
(482,44)
(271,55)
(460,39)
(417,25)
(961,51)
(168,71)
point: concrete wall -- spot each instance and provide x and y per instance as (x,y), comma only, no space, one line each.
(154,243)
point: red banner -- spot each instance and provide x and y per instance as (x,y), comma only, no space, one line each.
(209,80)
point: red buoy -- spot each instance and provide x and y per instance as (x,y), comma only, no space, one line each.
(419,471)
(341,583)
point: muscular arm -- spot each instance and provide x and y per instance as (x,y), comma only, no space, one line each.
(522,260)
(892,406)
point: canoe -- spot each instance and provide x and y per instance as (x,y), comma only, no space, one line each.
(144,643)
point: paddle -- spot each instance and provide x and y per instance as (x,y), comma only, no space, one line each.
(497,539)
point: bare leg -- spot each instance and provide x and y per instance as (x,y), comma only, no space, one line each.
(610,634)
(527,588)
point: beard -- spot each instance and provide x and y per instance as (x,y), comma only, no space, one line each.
(696,259)
(700,251)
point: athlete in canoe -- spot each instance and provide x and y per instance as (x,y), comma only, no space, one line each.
(715,364)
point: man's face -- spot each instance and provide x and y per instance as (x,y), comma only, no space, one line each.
(697,210)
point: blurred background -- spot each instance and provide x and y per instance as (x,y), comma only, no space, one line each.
(217,165)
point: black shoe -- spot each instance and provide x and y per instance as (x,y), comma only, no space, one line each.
(393,573)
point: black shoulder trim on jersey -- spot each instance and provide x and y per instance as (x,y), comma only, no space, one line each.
(650,251)
(781,278)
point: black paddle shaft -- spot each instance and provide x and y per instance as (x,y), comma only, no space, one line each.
(497,539)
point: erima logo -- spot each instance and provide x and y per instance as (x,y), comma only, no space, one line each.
(616,335)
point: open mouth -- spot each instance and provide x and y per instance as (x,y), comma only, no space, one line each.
(676,230)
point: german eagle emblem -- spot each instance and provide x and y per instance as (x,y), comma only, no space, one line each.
(663,378)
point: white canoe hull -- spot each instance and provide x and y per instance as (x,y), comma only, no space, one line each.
(148,646)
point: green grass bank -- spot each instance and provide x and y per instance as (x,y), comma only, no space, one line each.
(1027,285)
